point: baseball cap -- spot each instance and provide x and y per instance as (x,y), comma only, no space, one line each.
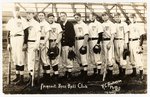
(104,13)
(17,8)
(78,14)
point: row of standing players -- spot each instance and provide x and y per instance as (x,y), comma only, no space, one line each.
(32,36)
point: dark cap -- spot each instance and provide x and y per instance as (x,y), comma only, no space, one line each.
(78,14)
(50,14)
(132,15)
(94,14)
(17,8)
(117,14)
(104,13)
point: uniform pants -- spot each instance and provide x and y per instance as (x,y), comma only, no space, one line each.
(109,54)
(135,58)
(17,53)
(32,56)
(118,49)
(81,58)
(95,58)
(57,59)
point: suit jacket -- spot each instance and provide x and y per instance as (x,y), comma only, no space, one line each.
(68,36)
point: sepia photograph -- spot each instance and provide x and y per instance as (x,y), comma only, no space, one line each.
(74,47)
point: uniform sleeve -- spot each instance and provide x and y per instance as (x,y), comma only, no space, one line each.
(59,28)
(100,28)
(47,27)
(85,29)
(126,28)
(113,28)
(25,24)
(141,29)
(9,25)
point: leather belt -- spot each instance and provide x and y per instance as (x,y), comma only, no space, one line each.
(79,38)
(106,38)
(93,39)
(31,40)
(17,35)
(133,39)
(42,38)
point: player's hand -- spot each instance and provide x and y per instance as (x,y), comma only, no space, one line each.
(108,46)
(70,49)
(140,50)
(9,47)
(54,44)
(125,46)
(25,47)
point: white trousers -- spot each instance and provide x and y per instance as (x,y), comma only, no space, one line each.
(81,58)
(17,53)
(135,58)
(95,58)
(118,49)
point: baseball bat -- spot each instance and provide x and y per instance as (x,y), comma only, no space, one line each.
(38,71)
(9,69)
(105,66)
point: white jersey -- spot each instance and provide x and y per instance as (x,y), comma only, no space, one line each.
(44,27)
(108,29)
(16,26)
(56,29)
(81,29)
(121,29)
(136,30)
(95,28)
(34,29)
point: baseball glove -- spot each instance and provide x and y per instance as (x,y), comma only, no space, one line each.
(53,52)
(83,50)
(71,55)
(97,49)
(126,53)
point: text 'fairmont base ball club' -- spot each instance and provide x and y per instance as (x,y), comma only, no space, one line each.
(74,48)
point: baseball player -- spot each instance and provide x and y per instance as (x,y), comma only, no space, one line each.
(120,43)
(108,45)
(16,27)
(136,32)
(81,34)
(44,29)
(32,41)
(95,37)
(54,38)
(67,42)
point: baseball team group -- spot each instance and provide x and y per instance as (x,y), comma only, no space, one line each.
(44,41)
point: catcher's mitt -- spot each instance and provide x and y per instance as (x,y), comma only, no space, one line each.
(97,49)
(83,50)
(126,53)
(53,52)
(71,55)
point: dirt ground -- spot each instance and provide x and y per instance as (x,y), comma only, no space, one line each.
(76,86)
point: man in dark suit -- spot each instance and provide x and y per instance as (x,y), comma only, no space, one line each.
(67,42)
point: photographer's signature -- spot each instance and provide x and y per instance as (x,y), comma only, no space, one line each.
(111,87)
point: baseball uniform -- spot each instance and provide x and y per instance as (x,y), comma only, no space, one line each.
(120,41)
(53,36)
(135,31)
(33,43)
(16,27)
(94,29)
(81,29)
